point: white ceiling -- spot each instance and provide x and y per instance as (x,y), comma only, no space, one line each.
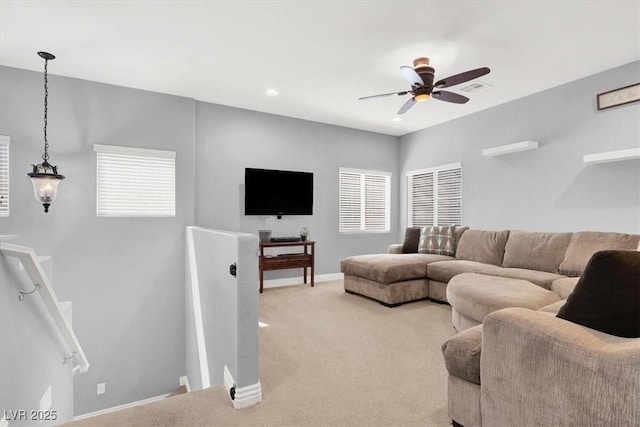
(322,55)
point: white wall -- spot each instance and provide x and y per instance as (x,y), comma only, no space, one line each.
(548,189)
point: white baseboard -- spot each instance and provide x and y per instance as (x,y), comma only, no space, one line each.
(289,281)
(184,381)
(120,407)
(245,396)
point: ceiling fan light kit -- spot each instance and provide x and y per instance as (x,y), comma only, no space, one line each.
(421,77)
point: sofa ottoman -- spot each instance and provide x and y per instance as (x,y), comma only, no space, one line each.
(391,279)
(472,296)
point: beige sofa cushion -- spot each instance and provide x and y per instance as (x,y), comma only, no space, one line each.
(540,278)
(553,308)
(462,354)
(482,246)
(389,268)
(535,250)
(395,248)
(443,271)
(584,244)
(476,295)
(564,287)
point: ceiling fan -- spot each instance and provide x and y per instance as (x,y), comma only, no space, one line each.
(421,76)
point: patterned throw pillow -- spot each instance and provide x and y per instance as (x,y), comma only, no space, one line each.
(438,240)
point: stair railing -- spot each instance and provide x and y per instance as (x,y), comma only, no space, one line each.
(41,283)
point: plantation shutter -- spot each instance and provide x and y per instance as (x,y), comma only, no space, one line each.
(435,196)
(364,201)
(449,200)
(4,175)
(350,201)
(376,202)
(423,201)
(135,182)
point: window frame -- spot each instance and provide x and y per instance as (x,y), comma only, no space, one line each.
(136,155)
(363,174)
(436,193)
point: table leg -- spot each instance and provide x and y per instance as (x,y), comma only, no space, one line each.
(313,264)
(260,267)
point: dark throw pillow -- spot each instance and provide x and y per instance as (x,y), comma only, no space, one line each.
(607,295)
(438,240)
(411,240)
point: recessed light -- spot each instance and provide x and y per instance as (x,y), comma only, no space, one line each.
(397,119)
(271,92)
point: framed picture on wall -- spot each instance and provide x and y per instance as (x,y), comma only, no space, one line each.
(616,97)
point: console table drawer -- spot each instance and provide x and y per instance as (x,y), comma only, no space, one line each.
(287,262)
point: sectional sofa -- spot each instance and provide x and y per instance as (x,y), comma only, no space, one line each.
(550,261)
(505,289)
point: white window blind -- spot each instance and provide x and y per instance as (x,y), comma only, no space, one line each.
(364,201)
(435,196)
(4,175)
(135,182)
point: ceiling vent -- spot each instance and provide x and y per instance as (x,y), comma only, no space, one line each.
(474,87)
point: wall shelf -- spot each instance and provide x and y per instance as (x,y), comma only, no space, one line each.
(510,148)
(612,156)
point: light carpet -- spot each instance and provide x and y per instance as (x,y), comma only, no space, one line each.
(327,358)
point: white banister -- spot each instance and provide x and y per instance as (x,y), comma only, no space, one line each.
(34,270)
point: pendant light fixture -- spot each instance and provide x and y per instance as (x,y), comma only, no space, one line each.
(45,177)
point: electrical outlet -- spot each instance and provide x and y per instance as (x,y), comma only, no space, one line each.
(45,401)
(183,381)
(102,388)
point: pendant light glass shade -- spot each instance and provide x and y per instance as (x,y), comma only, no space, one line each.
(45,177)
(45,180)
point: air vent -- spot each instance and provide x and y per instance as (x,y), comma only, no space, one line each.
(474,87)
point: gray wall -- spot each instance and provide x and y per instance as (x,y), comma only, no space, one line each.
(548,189)
(125,276)
(32,351)
(229,307)
(229,139)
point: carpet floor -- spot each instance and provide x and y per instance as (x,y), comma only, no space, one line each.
(327,358)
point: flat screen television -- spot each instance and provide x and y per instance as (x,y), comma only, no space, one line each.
(277,192)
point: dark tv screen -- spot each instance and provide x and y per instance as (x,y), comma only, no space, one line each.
(277,192)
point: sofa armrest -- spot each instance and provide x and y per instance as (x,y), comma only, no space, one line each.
(537,369)
(395,248)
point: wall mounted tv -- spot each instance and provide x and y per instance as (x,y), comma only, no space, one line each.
(277,192)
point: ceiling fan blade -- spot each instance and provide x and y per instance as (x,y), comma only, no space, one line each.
(405,107)
(383,94)
(462,77)
(411,76)
(443,95)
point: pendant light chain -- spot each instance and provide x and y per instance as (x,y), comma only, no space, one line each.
(45,156)
(45,177)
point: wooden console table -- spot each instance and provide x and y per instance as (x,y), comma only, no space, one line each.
(303,260)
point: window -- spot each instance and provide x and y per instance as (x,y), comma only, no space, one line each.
(135,182)
(4,175)
(364,201)
(435,196)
